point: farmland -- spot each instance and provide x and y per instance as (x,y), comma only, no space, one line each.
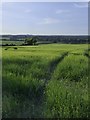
(8,42)
(45,81)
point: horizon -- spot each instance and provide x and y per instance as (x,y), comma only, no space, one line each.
(49,34)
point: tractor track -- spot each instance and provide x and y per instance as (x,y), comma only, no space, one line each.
(53,65)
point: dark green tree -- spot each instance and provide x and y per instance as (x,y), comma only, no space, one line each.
(31,41)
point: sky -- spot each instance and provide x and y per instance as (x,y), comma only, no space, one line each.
(45,18)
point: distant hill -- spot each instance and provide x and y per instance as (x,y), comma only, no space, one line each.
(69,39)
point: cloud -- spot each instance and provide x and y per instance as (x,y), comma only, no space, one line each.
(62,11)
(81,5)
(28,11)
(49,21)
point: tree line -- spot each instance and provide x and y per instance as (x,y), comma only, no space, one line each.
(35,40)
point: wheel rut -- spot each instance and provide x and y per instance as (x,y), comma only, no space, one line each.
(87,55)
(53,65)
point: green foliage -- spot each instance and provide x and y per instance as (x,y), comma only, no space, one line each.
(65,99)
(45,82)
(73,68)
(31,41)
(8,42)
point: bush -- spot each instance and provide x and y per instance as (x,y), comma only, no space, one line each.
(15,48)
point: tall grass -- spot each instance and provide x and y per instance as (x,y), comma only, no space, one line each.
(73,67)
(66,100)
(27,95)
(67,91)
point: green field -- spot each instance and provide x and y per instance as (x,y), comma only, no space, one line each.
(4,42)
(45,81)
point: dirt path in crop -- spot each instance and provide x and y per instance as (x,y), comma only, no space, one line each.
(87,55)
(51,68)
(53,65)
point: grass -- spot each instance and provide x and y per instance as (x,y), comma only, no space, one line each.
(67,91)
(66,100)
(73,67)
(11,42)
(45,81)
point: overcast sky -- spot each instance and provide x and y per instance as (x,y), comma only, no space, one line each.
(45,18)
